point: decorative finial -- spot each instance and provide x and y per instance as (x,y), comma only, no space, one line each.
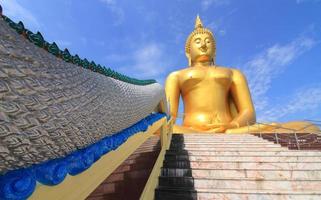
(198,22)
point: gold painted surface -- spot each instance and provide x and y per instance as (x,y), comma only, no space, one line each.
(216,98)
(152,182)
(80,186)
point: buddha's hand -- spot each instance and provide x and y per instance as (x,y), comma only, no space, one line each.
(220,128)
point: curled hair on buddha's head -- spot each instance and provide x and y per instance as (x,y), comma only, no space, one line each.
(199,29)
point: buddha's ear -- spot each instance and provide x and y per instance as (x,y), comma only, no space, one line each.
(189,59)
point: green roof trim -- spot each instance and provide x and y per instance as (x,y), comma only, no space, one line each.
(38,40)
(66,56)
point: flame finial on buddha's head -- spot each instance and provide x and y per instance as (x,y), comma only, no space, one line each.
(198,22)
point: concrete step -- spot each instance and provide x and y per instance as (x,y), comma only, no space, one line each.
(219,138)
(223,136)
(244,173)
(135,170)
(234,148)
(241,184)
(146,150)
(137,155)
(140,160)
(250,137)
(242,158)
(197,135)
(118,177)
(227,194)
(243,165)
(107,188)
(111,196)
(237,167)
(115,177)
(216,136)
(201,146)
(224,141)
(247,153)
(227,142)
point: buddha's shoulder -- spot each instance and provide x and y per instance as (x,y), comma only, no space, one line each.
(234,71)
(223,68)
(178,73)
(229,70)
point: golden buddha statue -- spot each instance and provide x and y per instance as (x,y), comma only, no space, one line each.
(216,99)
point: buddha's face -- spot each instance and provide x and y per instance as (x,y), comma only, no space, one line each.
(202,48)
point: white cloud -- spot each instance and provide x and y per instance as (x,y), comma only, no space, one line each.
(269,64)
(220,25)
(109,2)
(304,1)
(305,99)
(222,32)
(117,11)
(63,43)
(16,12)
(112,58)
(206,4)
(149,62)
(83,40)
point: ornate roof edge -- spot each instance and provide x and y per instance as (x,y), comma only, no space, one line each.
(21,183)
(38,40)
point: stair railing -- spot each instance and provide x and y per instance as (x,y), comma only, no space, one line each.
(293,137)
(299,139)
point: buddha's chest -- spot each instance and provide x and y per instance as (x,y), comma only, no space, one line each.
(211,78)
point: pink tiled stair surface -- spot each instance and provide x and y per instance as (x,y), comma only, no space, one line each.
(238,167)
(128,180)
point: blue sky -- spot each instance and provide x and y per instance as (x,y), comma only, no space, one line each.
(276,43)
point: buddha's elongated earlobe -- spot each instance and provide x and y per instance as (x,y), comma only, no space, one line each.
(189,59)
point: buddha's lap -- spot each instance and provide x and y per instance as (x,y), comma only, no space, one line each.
(288,127)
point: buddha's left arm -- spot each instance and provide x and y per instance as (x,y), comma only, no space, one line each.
(172,94)
(242,99)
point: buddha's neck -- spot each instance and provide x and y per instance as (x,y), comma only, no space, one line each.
(201,64)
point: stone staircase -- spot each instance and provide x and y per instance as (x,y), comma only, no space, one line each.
(129,179)
(221,166)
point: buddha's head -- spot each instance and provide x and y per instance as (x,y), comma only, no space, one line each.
(200,44)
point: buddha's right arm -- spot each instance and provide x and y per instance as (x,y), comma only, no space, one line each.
(172,93)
